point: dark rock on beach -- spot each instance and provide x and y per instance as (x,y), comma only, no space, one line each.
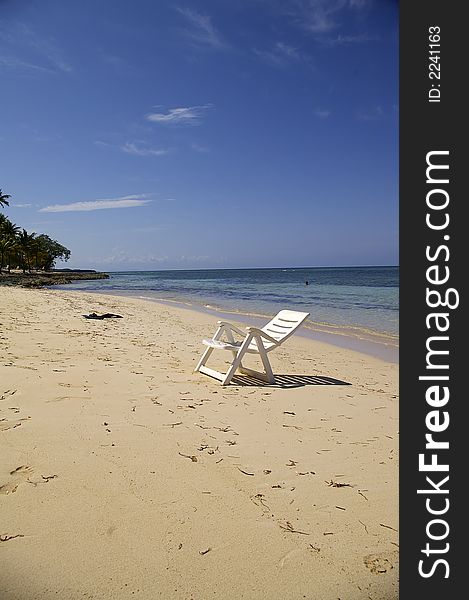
(44,278)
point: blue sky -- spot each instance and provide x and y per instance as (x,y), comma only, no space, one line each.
(199,134)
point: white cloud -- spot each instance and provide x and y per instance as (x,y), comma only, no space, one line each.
(141,149)
(280,55)
(137,148)
(105,204)
(189,115)
(122,257)
(371,115)
(321,16)
(52,54)
(103,144)
(118,64)
(359,4)
(16,63)
(201,29)
(347,40)
(21,205)
(322,113)
(22,40)
(199,148)
(287,50)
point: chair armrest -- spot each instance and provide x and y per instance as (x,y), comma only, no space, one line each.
(263,334)
(232,327)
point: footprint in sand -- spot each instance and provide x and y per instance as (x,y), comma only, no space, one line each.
(18,475)
(380,563)
(5,424)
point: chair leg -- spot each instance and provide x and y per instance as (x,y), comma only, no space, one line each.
(268,376)
(206,354)
(230,338)
(203,360)
(266,363)
(237,361)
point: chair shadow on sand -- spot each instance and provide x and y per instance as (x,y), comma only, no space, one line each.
(286,381)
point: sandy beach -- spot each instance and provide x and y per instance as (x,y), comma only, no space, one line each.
(123,474)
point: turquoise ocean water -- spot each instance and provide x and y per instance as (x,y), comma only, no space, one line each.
(360,302)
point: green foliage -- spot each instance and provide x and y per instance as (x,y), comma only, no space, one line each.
(20,249)
(4,199)
(52,250)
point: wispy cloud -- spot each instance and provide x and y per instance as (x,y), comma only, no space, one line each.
(17,64)
(199,148)
(52,53)
(288,51)
(102,144)
(137,148)
(347,40)
(322,113)
(371,115)
(320,16)
(29,51)
(141,149)
(119,257)
(118,64)
(103,204)
(201,29)
(43,139)
(359,4)
(189,115)
(280,55)
(27,205)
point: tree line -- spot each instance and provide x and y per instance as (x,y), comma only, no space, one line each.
(22,250)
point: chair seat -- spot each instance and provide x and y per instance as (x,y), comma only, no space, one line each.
(233,346)
(220,345)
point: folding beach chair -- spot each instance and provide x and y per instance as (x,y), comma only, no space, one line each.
(256,341)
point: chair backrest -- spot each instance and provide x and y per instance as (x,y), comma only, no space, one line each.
(284,324)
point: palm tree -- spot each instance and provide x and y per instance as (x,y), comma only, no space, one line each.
(4,199)
(6,245)
(3,220)
(9,232)
(8,228)
(26,245)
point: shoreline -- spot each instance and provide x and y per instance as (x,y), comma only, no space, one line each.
(342,337)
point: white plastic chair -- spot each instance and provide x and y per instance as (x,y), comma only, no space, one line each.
(256,341)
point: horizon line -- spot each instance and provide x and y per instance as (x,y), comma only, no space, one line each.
(240,268)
